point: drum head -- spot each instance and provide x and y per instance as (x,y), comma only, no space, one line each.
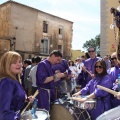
(58,112)
(42,114)
(26,116)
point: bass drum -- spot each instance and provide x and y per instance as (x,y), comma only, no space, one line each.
(67,111)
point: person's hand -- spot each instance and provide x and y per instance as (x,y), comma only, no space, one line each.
(81,100)
(84,68)
(116,82)
(66,74)
(117,95)
(60,75)
(92,75)
(76,94)
(31,99)
(57,71)
(57,76)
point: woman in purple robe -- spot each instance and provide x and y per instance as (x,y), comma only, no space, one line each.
(12,95)
(102,98)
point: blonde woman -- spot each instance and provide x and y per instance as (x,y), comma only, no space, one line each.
(12,95)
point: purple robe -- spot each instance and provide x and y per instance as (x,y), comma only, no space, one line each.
(46,90)
(62,67)
(113,72)
(102,98)
(12,98)
(89,64)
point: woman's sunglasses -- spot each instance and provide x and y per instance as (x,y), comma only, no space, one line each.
(99,67)
(114,58)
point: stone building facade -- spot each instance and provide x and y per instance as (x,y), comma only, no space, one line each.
(30,31)
(107,35)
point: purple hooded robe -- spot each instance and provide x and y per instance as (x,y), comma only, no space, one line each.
(12,98)
(113,72)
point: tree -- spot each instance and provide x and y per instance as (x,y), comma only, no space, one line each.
(93,43)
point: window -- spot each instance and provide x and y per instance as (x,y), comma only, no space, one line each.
(44,46)
(60,47)
(60,31)
(29,56)
(45,27)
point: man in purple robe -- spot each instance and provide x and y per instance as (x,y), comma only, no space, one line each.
(89,66)
(45,79)
(113,72)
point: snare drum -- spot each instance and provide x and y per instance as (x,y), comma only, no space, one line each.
(89,104)
(67,111)
(42,114)
(112,114)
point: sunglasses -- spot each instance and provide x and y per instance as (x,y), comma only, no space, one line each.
(91,51)
(114,58)
(99,67)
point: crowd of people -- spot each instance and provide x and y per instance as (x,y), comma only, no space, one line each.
(19,80)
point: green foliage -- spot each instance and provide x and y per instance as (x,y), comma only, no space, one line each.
(93,43)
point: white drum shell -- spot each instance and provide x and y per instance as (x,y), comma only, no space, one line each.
(113,114)
(89,104)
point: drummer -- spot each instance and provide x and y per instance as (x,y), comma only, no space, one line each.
(113,72)
(102,97)
(12,95)
(45,79)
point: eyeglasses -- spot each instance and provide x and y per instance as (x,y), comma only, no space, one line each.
(114,58)
(99,67)
(91,51)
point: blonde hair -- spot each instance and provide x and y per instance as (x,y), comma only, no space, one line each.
(5,62)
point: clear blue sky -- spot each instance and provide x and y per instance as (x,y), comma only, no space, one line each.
(84,13)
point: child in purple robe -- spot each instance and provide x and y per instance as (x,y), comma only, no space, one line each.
(102,97)
(12,95)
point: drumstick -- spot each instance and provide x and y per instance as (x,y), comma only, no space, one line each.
(36,93)
(89,72)
(107,90)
